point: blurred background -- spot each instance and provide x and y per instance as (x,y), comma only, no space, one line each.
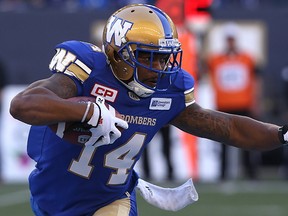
(228,180)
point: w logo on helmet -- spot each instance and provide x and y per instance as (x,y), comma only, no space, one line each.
(117,28)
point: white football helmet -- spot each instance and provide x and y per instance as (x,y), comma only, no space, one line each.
(141,28)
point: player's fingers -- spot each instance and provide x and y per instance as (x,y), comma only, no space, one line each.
(114,135)
(121,123)
(112,110)
(95,136)
(92,140)
(104,140)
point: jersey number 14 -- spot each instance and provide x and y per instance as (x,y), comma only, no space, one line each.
(121,159)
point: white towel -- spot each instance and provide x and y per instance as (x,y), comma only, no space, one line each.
(171,199)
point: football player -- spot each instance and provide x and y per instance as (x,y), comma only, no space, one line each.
(138,73)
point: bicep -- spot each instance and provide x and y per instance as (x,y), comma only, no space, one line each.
(42,102)
(58,84)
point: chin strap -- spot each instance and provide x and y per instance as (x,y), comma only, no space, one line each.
(140,90)
(136,87)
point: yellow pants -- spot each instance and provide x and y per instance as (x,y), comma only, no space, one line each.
(117,208)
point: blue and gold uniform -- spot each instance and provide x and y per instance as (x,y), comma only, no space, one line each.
(138,72)
(77,180)
(106,170)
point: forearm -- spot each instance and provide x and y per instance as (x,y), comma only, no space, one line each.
(239,131)
(42,107)
(248,133)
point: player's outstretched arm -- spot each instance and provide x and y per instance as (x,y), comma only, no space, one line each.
(238,131)
(43,102)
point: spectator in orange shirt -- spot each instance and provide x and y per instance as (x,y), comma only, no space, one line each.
(236,88)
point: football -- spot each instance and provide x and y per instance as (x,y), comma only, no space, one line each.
(77,132)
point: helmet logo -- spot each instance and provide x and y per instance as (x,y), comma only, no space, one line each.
(118,28)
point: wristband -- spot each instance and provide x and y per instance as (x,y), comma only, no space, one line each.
(283,135)
(95,118)
(86,111)
(99,114)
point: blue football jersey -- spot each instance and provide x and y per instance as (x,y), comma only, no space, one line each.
(72,179)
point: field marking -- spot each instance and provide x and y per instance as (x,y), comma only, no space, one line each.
(13,198)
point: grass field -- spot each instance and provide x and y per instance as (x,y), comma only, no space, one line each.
(241,198)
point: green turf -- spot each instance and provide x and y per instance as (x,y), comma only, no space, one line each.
(233,198)
(14,200)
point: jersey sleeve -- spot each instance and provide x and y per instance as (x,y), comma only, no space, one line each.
(76,60)
(185,84)
(189,96)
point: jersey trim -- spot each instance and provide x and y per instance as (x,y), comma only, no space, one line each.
(77,71)
(189,97)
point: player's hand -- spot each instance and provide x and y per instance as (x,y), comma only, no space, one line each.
(105,123)
(283,134)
